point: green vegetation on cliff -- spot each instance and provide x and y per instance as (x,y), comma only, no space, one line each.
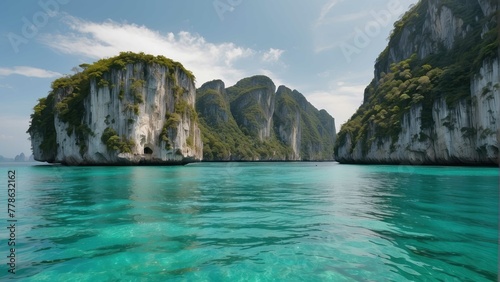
(42,122)
(317,128)
(250,103)
(408,83)
(116,143)
(250,121)
(182,109)
(224,139)
(468,52)
(66,99)
(443,73)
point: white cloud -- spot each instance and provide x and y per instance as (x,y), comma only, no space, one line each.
(328,18)
(272,56)
(28,71)
(331,28)
(325,10)
(6,137)
(207,60)
(346,18)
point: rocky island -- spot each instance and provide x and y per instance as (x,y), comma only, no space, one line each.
(138,109)
(435,97)
(126,110)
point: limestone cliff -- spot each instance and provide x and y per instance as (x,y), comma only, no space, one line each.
(252,105)
(310,133)
(251,121)
(435,98)
(130,109)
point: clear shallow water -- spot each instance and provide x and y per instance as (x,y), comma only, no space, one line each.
(257,222)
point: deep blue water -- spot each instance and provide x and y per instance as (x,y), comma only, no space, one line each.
(253,222)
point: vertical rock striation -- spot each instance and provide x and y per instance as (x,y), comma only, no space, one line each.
(252,105)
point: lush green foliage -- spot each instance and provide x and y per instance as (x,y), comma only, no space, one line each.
(98,68)
(408,83)
(116,143)
(136,87)
(42,122)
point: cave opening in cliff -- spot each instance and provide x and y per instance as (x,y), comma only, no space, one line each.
(148,151)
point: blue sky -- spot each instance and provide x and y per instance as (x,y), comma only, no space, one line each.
(323,48)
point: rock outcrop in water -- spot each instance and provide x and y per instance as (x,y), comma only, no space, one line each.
(130,109)
(252,121)
(435,98)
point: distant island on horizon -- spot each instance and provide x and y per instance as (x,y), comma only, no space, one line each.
(18,158)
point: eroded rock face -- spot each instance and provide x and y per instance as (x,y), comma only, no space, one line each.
(252,105)
(214,104)
(462,132)
(288,118)
(141,113)
(440,28)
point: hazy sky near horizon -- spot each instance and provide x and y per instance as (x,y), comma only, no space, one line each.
(325,49)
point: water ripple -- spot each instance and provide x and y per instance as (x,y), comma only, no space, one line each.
(292,222)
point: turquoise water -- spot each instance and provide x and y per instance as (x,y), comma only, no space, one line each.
(254,222)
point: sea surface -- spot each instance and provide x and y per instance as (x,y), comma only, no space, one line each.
(251,222)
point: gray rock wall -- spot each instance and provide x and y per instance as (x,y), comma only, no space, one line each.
(111,106)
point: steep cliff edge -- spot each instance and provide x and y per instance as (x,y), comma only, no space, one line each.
(129,109)
(252,105)
(251,121)
(310,133)
(435,98)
